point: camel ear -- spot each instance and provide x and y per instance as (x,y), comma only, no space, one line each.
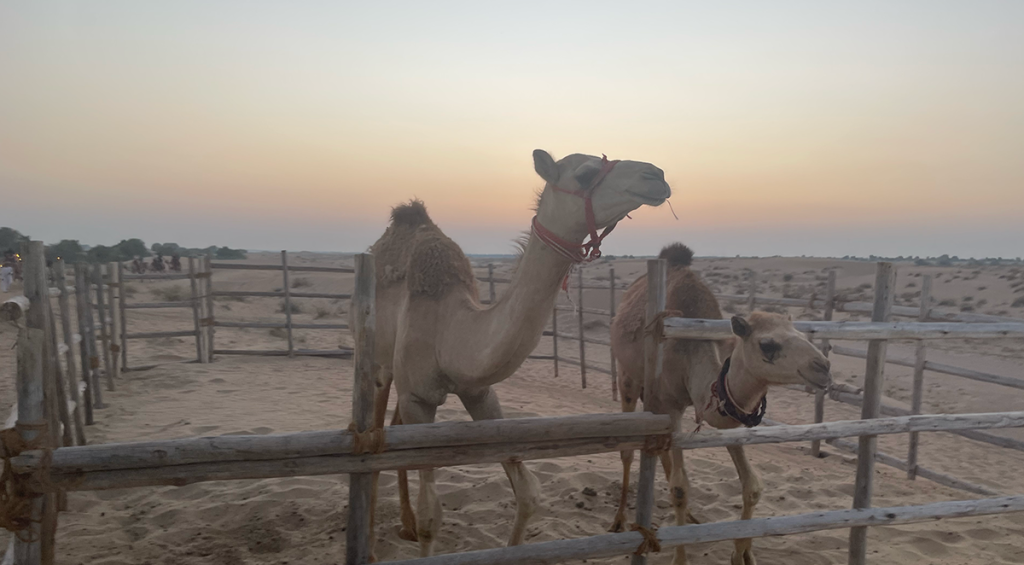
(545,165)
(740,326)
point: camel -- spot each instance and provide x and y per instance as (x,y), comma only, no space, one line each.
(766,350)
(435,338)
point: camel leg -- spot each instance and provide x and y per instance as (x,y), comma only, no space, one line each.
(483,405)
(666,463)
(743,554)
(428,507)
(408,531)
(679,486)
(380,408)
(619,525)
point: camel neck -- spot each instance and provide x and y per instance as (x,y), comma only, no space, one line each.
(745,389)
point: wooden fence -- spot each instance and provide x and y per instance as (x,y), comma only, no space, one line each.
(185,461)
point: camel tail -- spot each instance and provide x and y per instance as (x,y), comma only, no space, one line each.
(412,213)
(677,255)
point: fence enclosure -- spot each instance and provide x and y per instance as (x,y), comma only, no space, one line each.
(179,462)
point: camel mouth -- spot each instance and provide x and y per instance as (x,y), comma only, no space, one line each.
(818,381)
(647,199)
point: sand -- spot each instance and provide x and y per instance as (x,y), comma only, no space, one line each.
(302,520)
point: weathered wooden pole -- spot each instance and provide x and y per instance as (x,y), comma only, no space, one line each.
(359,545)
(101,312)
(90,338)
(490,284)
(210,317)
(287,302)
(920,358)
(752,296)
(81,303)
(826,347)
(63,301)
(554,338)
(194,284)
(656,274)
(579,320)
(874,380)
(33,424)
(611,318)
(122,293)
(114,282)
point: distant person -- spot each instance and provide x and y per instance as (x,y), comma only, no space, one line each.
(158,264)
(7,273)
(176,263)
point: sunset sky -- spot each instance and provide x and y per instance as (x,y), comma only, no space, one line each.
(785,128)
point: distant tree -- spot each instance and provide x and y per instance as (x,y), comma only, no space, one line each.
(102,254)
(167,249)
(10,239)
(68,249)
(228,253)
(128,249)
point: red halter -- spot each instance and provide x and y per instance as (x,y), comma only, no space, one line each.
(590,250)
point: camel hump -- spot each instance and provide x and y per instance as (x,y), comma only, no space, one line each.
(677,255)
(412,214)
(437,265)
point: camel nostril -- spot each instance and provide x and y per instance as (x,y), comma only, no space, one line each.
(657,174)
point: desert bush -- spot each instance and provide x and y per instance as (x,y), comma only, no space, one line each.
(295,308)
(322,312)
(172,293)
(966,308)
(980,303)
(787,277)
(967,298)
(911,284)
(981,288)
(301,282)
(1019,303)
(279,333)
(129,290)
(948,302)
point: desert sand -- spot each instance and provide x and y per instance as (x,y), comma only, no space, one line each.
(302,520)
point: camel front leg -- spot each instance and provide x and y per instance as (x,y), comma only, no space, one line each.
(428,506)
(408,531)
(380,408)
(619,524)
(743,553)
(484,405)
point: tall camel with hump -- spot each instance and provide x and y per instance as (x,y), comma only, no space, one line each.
(434,337)
(725,381)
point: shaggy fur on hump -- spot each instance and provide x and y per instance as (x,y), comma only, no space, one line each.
(415,250)
(686,295)
(677,255)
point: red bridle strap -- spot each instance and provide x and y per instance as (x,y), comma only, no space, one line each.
(590,250)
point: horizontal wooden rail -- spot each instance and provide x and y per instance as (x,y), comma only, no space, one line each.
(937,368)
(284,352)
(321,295)
(576,363)
(685,328)
(155,277)
(541,357)
(279,294)
(248,464)
(815,302)
(147,305)
(306,269)
(279,325)
(150,335)
(595,311)
(593,340)
(612,545)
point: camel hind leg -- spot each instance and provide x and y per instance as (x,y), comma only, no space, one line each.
(483,405)
(428,507)
(619,524)
(408,531)
(743,553)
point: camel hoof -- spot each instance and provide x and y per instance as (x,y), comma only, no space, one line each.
(746,557)
(407,534)
(690,519)
(618,526)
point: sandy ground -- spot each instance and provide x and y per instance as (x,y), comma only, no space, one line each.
(303,520)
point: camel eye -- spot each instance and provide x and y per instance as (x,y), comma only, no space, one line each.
(586,174)
(770,348)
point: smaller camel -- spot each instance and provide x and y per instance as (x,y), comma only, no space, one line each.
(766,350)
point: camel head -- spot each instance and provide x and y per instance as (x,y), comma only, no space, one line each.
(774,351)
(614,188)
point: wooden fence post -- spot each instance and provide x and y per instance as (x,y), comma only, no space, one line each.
(656,273)
(195,309)
(63,301)
(114,282)
(611,317)
(358,533)
(920,357)
(874,377)
(826,347)
(490,283)
(752,296)
(579,318)
(554,337)
(210,317)
(83,342)
(35,423)
(122,294)
(101,313)
(287,303)
(90,338)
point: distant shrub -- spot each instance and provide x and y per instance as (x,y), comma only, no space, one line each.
(1019,303)
(966,308)
(279,333)
(787,277)
(980,303)
(981,288)
(295,308)
(911,284)
(129,290)
(948,302)
(301,282)
(172,294)
(322,312)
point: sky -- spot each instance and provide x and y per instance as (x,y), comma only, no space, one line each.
(785,128)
